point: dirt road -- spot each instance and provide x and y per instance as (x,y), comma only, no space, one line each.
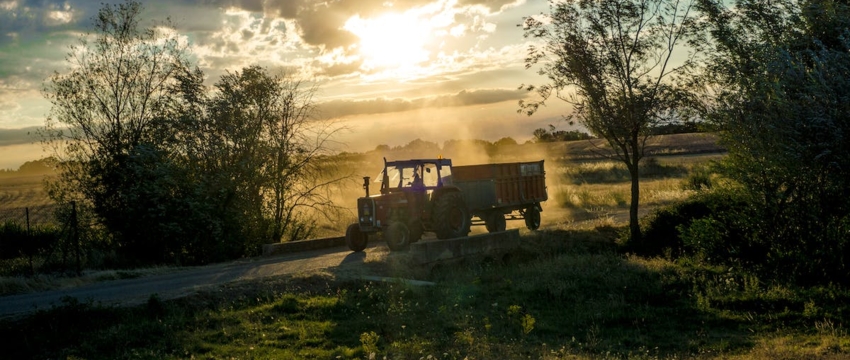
(186,281)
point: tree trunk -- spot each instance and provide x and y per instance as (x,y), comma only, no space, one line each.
(634,226)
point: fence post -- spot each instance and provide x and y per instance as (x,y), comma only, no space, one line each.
(75,234)
(28,220)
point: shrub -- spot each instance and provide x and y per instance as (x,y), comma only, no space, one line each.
(12,236)
(728,228)
(698,179)
(16,242)
(663,230)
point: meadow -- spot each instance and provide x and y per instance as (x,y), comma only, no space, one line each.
(572,291)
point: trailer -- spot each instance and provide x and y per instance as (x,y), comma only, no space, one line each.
(495,193)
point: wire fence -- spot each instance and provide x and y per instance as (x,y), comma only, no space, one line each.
(30,216)
(37,236)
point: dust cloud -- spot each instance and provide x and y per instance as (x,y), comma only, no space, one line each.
(464,141)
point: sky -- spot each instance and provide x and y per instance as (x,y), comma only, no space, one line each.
(389,71)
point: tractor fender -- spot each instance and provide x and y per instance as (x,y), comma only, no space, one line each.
(442,191)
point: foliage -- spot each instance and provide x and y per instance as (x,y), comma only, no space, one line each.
(107,113)
(418,146)
(780,104)
(19,242)
(668,230)
(45,166)
(611,60)
(256,148)
(505,142)
(699,178)
(550,135)
(169,172)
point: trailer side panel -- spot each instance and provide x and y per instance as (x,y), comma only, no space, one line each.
(508,185)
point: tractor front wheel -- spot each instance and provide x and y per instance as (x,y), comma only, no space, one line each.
(356,239)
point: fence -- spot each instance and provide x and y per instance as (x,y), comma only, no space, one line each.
(30,216)
(35,232)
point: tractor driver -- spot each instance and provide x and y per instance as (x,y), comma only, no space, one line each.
(417,179)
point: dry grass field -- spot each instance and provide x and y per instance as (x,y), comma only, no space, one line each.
(19,192)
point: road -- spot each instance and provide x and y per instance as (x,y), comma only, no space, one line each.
(186,281)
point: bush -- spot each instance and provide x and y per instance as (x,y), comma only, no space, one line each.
(12,236)
(719,216)
(729,229)
(698,179)
(18,245)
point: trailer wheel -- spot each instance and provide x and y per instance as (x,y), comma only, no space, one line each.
(356,239)
(397,236)
(451,217)
(532,218)
(495,222)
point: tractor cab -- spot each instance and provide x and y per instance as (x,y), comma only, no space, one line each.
(419,175)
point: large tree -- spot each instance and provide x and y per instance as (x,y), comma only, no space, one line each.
(110,111)
(259,152)
(779,86)
(619,63)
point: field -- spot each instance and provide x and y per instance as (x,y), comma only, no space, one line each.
(569,293)
(20,192)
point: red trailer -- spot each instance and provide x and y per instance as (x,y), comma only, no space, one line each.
(493,192)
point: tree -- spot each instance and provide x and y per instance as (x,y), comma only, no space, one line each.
(260,151)
(109,113)
(613,61)
(543,135)
(172,172)
(778,96)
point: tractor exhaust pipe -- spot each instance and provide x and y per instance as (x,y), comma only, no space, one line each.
(366,185)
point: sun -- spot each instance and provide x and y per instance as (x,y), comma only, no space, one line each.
(391,41)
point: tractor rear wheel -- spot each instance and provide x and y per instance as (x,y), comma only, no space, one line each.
(416,230)
(532,218)
(451,217)
(356,239)
(397,236)
(495,222)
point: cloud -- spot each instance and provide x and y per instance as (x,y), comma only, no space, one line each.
(22,20)
(493,5)
(342,108)
(337,69)
(321,25)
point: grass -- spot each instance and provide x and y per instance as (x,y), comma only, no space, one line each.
(566,295)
